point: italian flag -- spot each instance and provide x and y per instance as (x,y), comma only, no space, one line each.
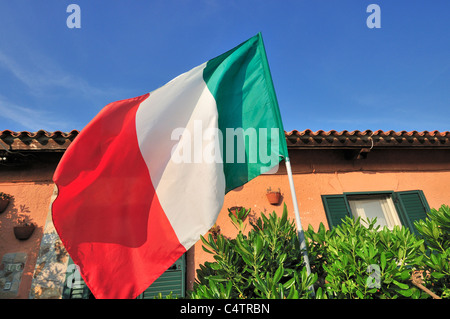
(148,175)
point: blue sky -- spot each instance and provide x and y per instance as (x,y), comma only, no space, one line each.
(329,69)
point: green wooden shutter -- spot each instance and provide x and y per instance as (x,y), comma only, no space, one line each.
(336,209)
(411,206)
(173,280)
(74,285)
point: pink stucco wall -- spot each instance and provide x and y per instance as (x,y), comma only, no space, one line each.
(32,199)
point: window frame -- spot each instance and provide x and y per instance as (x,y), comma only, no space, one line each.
(335,218)
(386,204)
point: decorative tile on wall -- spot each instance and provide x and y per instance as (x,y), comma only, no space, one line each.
(11,270)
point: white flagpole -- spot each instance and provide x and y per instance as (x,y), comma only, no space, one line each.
(301,234)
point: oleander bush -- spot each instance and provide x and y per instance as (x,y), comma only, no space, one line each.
(264,263)
(354,260)
(435,230)
(361,261)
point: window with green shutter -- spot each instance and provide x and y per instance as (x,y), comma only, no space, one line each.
(390,208)
(336,209)
(74,285)
(173,280)
(411,206)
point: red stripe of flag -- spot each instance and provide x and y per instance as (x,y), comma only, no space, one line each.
(107,213)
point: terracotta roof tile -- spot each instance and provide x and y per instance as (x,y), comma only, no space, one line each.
(367,138)
(59,141)
(40,140)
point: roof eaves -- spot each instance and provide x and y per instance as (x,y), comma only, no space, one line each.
(37,141)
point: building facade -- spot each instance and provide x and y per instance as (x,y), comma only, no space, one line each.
(394,176)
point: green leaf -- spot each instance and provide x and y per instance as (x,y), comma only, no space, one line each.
(208,251)
(383,260)
(372,291)
(344,288)
(285,215)
(217,279)
(406,293)
(418,259)
(339,232)
(247,260)
(213,287)
(401,253)
(437,275)
(293,293)
(212,243)
(228,289)
(400,285)
(434,259)
(258,245)
(215,266)
(288,284)
(320,294)
(405,274)
(372,251)
(359,294)
(244,250)
(205,242)
(436,232)
(278,274)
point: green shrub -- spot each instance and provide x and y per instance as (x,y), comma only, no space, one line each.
(435,230)
(361,261)
(264,263)
(354,260)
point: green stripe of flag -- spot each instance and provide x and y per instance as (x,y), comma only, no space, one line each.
(242,86)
